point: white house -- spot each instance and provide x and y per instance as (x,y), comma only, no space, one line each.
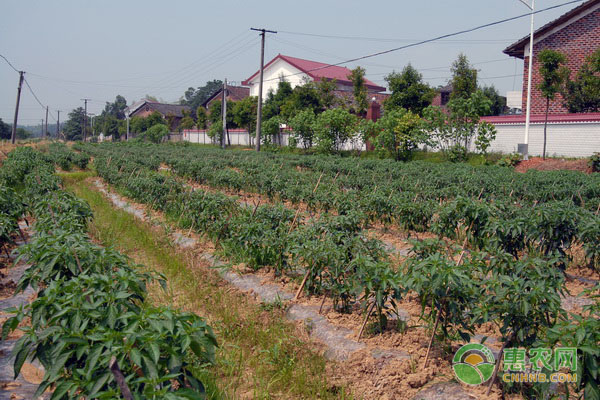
(296,71)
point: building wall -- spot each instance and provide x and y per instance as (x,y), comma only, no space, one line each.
(566,139)
(577,41)
(271,77)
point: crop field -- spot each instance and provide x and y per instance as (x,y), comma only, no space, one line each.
(412,259)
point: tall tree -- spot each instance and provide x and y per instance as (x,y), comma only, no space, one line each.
(201,118)
(498,102)
(244,113)
(5,130)
(583,94)
(464,78)
(275,99)
(554,74)
(359,89)
(326,90)
(72,128)
(408,91)
(116,108)
(195,97)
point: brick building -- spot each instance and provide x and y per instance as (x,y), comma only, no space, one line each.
(234,93)
(575,34)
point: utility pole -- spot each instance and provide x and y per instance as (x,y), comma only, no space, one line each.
(14,127)
(46,127)
(58,125)
(260,84)
(224,112)
(42,132)
(84,127)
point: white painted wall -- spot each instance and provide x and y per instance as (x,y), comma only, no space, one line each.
(566,139)
(271,77)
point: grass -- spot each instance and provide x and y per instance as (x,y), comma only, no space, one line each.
(260,355)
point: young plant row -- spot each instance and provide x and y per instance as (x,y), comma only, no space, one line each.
(90,324)
(65,158)
(460,290)
(508,220)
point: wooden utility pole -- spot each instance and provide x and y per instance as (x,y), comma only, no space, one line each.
(58,125)
(84,127)
(14,127)
(224,113)
(260,84)
(46,126)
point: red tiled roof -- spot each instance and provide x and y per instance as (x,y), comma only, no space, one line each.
(537,119)
(318,70)
(516,49)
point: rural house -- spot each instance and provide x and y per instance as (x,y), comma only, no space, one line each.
(575,34)
(234,93)
(297,71)
(173,113)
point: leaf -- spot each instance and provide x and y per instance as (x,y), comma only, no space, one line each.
(61,389)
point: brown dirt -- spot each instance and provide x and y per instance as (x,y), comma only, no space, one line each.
(553,164)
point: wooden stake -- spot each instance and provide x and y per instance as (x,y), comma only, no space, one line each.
(302,285)
(318,181)
(497,366)
(369,311)
(294,221)
(120,378)
(322,302)
(437,321)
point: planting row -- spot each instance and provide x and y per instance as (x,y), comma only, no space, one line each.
(459,290)
(90,325)
(422,197)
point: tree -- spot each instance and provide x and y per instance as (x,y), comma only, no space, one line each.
(274,100)
(554,74)
(196,97)
(270,130)
(326,91)
(201,118)
(156,133)
(359,90)
(303,124)
(408,91)
(116,108)
(400,132)
(464,78)
(72,128)
(454,131)
(111,126)
(303,97)
(5,130)
(23,133)
(498,105)
(583,94)
(244,113)
(142,124)
(214,111)
(333,128)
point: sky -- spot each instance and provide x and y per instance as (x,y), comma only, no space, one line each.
(75,49)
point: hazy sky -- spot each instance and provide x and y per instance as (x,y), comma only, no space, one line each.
(73,49)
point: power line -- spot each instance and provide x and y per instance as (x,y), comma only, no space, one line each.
(375,39)
(9,63)
(379,53)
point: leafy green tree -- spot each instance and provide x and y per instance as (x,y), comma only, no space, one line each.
(244,113)
(583,94)
(464,78)
(23,133)
(201,118)
(214,111)
(498,105)
(454,131)
(187,122)
(333,128)
(303,97)
(116,108)
(156,133)
(275,100)
(111,126)
(196,97)
(303,127)
(408,91)
(5,130)
(359,89)
(326,91)
(554,74)
(400,132)
(270,130)
(72,128)
(215,130)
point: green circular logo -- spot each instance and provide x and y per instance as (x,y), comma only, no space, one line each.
(473,364)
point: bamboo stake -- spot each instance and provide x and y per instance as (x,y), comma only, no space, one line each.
(294,221)
(437,321)
(322,302)
(497,366)
(302,285)
(318,181)
(369,311)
